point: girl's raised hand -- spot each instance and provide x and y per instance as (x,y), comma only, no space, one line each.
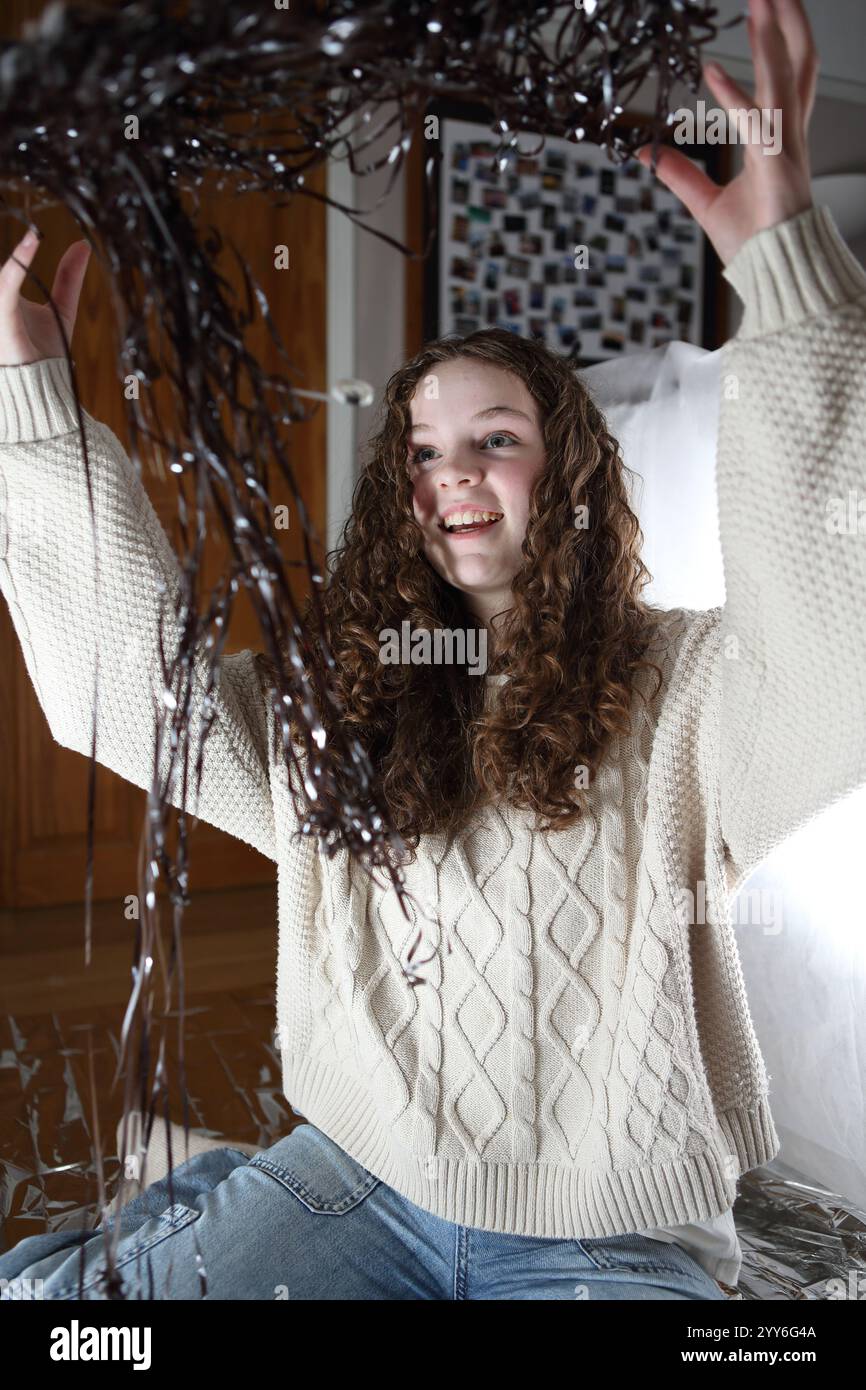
(771,187)
(28,331)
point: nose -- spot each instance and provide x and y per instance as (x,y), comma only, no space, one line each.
(459,470)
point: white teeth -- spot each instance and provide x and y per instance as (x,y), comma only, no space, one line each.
(470,518)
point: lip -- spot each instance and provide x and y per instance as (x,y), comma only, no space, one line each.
(469,535)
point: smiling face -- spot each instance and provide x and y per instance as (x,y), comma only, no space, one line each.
(477,447)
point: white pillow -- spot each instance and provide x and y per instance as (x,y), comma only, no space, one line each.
(663,408)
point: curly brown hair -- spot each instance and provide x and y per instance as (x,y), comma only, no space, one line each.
(572,643)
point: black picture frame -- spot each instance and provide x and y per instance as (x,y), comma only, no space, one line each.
(714,158)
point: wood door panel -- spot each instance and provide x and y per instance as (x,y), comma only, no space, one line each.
(43,787)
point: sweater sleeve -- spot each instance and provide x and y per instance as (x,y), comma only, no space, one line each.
(790,643)
(64,612)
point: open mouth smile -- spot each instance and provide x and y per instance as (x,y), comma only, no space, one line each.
(469,522)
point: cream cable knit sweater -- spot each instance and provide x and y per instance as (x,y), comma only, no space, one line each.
(583,1062)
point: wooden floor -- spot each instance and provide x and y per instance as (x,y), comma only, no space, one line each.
(61,1026)
(230,942)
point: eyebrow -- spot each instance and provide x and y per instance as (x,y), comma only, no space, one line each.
(483,415)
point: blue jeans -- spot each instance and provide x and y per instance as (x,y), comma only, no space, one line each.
(303,1220)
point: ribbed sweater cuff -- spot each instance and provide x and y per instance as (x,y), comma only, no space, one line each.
(36,401)
(794,270)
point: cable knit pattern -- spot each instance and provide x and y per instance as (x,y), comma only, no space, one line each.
(580,1060)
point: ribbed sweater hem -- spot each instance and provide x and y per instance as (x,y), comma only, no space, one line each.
(540,1199)
(790,272)
(36,401)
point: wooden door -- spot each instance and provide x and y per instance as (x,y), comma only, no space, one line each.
(43,787)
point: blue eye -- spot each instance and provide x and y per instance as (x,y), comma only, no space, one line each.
(497,434)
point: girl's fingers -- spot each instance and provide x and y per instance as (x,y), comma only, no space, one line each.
(775,88)
(794,24)
(69,279)
(685,179)
(737,103)
(723,86)
(14,271)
